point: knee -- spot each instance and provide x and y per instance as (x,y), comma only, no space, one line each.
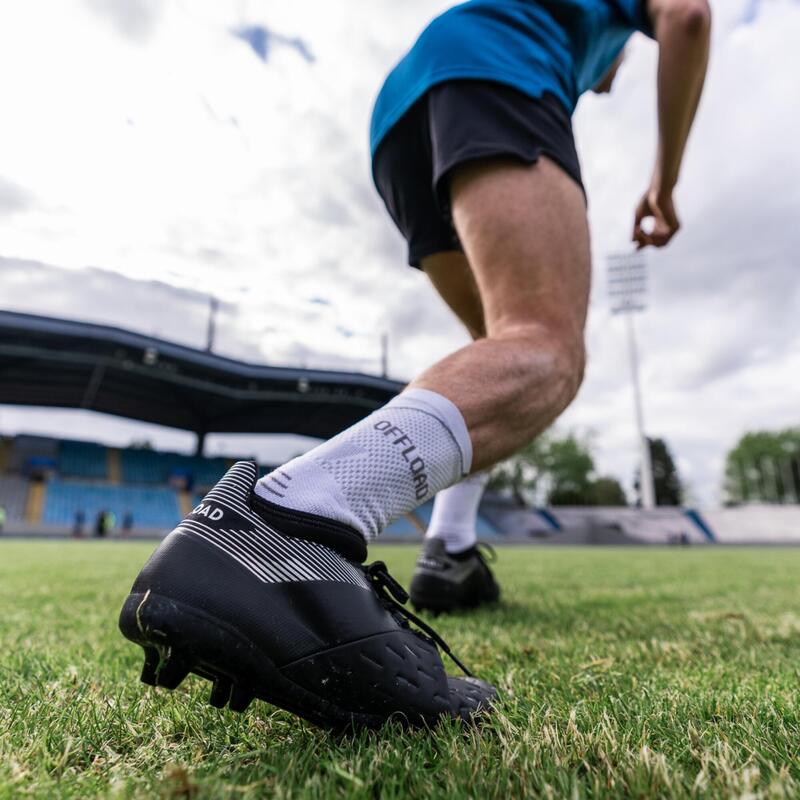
(556,369)
(576,368)
(568,365)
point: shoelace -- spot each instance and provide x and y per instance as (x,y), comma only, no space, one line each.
(394,597)
(486,553)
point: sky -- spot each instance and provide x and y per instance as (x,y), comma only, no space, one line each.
(153,152)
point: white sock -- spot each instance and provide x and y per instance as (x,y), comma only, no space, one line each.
(455,513)
(380,468)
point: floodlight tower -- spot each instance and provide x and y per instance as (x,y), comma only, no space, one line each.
(627,289)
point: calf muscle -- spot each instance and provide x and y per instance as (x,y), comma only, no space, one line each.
(525,238)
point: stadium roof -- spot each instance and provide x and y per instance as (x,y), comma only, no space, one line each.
(67,364)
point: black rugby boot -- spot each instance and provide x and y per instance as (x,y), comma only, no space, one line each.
(442,582)
(270,603)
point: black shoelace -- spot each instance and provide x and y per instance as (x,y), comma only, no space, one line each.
(394,597)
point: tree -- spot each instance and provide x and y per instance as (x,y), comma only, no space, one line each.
(570,468)
(668,487)
(520,474)
(608,491)
(557,470)
(764,466)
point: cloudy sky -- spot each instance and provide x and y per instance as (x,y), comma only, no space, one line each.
(151,154)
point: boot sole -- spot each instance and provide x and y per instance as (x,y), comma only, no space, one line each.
(178,640)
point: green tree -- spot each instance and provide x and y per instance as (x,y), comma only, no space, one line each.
(520,475)
(764,467)
(556,469)
(608,491)
(570,469)
(667,482)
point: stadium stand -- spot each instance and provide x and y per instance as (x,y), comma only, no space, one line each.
(82,460)
(68,364)
(150,466)
(29,453)
(5,453)
(656,526)
(516,522)
(766,524)
(14,496)
(154,508)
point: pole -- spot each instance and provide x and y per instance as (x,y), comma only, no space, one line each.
(213,307)
(787,476)
(385,355)
(646,478)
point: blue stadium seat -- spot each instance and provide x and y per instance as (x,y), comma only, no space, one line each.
(143,466)
(149,466)
(206,471)
(150,507)
(82,460)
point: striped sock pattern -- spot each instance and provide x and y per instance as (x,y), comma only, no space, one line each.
(225,520)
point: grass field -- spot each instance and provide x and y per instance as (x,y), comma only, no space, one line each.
(624,673)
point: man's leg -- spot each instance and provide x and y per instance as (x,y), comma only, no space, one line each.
(450,572)
(455,509)
(451,276)
(526,239)
(455,514)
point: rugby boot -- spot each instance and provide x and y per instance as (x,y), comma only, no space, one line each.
(443,583)
(274,604)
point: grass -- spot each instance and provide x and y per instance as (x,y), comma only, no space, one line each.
(624,673)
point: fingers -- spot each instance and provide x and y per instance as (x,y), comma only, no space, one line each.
(665,223)
(642,212)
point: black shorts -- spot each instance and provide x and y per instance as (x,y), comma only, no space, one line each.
(455,122)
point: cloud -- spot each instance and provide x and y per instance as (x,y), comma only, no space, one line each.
(13,198)
(133,19)
(106,298)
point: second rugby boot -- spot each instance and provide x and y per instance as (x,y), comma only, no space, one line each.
(443,582)
(275,604)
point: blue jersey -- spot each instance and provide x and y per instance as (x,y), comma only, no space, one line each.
(559,46)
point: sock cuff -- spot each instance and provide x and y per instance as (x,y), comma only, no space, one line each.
(446,412)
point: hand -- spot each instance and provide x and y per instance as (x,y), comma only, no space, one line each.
(658,206)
